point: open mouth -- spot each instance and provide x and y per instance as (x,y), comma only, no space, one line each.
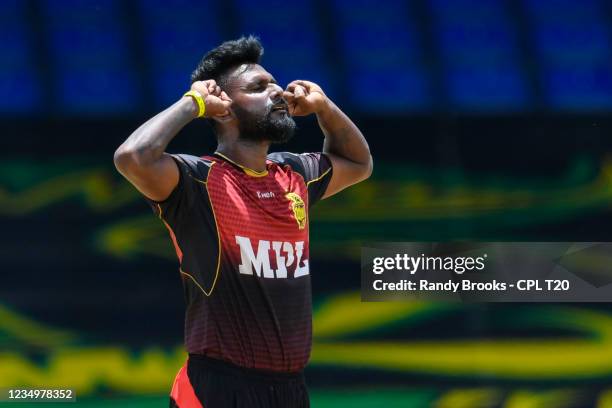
(280,108)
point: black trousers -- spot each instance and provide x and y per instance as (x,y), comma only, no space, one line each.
(218,384)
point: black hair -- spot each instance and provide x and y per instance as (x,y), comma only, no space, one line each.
(218,61)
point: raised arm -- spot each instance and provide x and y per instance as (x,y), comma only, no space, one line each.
(344,143)
(142,159)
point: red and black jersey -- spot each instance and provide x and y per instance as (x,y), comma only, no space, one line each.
(242,241)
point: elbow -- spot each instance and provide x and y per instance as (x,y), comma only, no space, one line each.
(125,160)
(121,160)
(367,168)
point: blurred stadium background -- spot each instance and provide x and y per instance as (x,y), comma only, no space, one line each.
(487,119)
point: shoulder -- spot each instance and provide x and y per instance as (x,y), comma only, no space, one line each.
(193,161)
(292,162)
(297,161)
(194,166)
(309,165)
(286,158)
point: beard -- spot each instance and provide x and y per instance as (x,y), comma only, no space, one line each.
(272,127)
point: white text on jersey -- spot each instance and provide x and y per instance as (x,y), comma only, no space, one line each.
(286,255)
(267,194)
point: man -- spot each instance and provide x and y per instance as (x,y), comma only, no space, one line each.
(239,223)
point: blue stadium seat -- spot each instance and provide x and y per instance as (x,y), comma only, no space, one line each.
(293,46)
(383,67)
(385,70)
(574,43)
(178,34)
(92,61)
(20,88)
(479,49)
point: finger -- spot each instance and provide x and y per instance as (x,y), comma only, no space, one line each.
(226,109)
(304,84)
(299,92)
(224,97)
(288,96)
(210,100)
(309,86)
(201,88)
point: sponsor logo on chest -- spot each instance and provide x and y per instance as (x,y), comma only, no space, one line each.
(288,256)
(265,194)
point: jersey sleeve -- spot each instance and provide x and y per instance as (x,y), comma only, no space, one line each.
(315,168)
(193,173)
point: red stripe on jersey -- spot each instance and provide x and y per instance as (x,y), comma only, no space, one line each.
(182,392)
(177,249)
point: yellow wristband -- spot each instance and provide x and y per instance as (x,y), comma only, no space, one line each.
(199,100)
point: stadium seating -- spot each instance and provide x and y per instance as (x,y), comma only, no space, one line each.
(108,57)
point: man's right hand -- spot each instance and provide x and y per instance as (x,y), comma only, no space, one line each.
(141,158)
(216,100)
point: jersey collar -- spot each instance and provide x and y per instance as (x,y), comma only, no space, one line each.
(246,170)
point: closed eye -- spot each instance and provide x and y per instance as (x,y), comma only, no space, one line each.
(261,84)
(258,87)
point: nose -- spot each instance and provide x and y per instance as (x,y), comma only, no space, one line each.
(276,93)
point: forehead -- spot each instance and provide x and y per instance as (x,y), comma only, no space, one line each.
(248,73)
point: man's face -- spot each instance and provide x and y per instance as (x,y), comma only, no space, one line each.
(259,105)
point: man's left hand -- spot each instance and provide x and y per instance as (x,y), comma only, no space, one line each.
(304,98)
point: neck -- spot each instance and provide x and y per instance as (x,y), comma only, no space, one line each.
(249,154)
